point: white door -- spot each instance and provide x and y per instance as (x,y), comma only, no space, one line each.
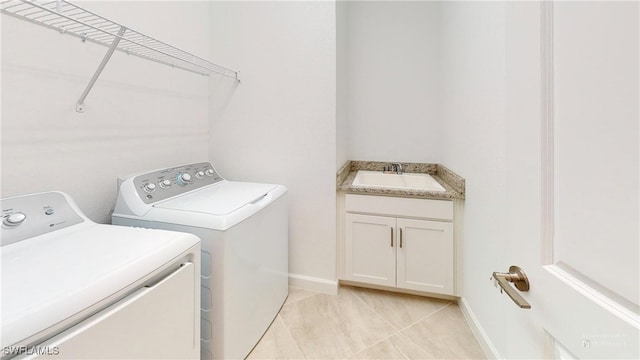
(572,175)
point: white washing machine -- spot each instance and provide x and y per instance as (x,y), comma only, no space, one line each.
(74,289)
(244,232)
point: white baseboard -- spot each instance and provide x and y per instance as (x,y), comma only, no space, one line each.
(485,343)
(314,284)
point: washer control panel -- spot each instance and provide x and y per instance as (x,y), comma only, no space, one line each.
(31,215)
(163,184)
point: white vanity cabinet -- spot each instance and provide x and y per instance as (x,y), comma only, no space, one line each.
(405,243)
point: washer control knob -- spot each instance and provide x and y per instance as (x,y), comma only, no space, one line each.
(150,187)
(14,219)
(209,172)
(199,175)
(184,178)
(165,183)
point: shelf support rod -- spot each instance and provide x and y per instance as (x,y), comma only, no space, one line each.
(105,60)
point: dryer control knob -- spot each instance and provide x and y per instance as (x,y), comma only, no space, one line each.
(209,172)
(14,219)
(199,175)
(184,178)
(149,187)
(165,183)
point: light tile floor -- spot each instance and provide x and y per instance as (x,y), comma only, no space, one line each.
(367,324)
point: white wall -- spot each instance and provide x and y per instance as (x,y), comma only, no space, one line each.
(474,146)
(139,116)
(393,80)
(279,124)
(342,116)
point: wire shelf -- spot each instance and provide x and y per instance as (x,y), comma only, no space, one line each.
(71,19)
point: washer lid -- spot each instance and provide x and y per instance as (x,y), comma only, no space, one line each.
(220,199)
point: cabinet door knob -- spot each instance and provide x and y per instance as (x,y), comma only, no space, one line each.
(400,237)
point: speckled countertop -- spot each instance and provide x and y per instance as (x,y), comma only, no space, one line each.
(452,182)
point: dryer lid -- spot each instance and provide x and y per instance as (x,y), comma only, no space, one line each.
(220,199)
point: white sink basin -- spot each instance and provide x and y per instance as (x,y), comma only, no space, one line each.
(408,181)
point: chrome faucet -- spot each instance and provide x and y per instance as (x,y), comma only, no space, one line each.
(397,167)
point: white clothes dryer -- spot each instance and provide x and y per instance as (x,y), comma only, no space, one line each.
(74,289)
(244,232)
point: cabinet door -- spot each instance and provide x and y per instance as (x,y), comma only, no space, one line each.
(425,256)
(370,249)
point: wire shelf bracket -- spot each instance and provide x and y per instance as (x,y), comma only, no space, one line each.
(67,18)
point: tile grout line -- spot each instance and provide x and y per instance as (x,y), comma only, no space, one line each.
(372,309)
(291,335)
(313,293)
(304,356)
(426,316)
(399,332)
(404,346)
(385,320)
(415,323)
(449,302)
(380,316)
